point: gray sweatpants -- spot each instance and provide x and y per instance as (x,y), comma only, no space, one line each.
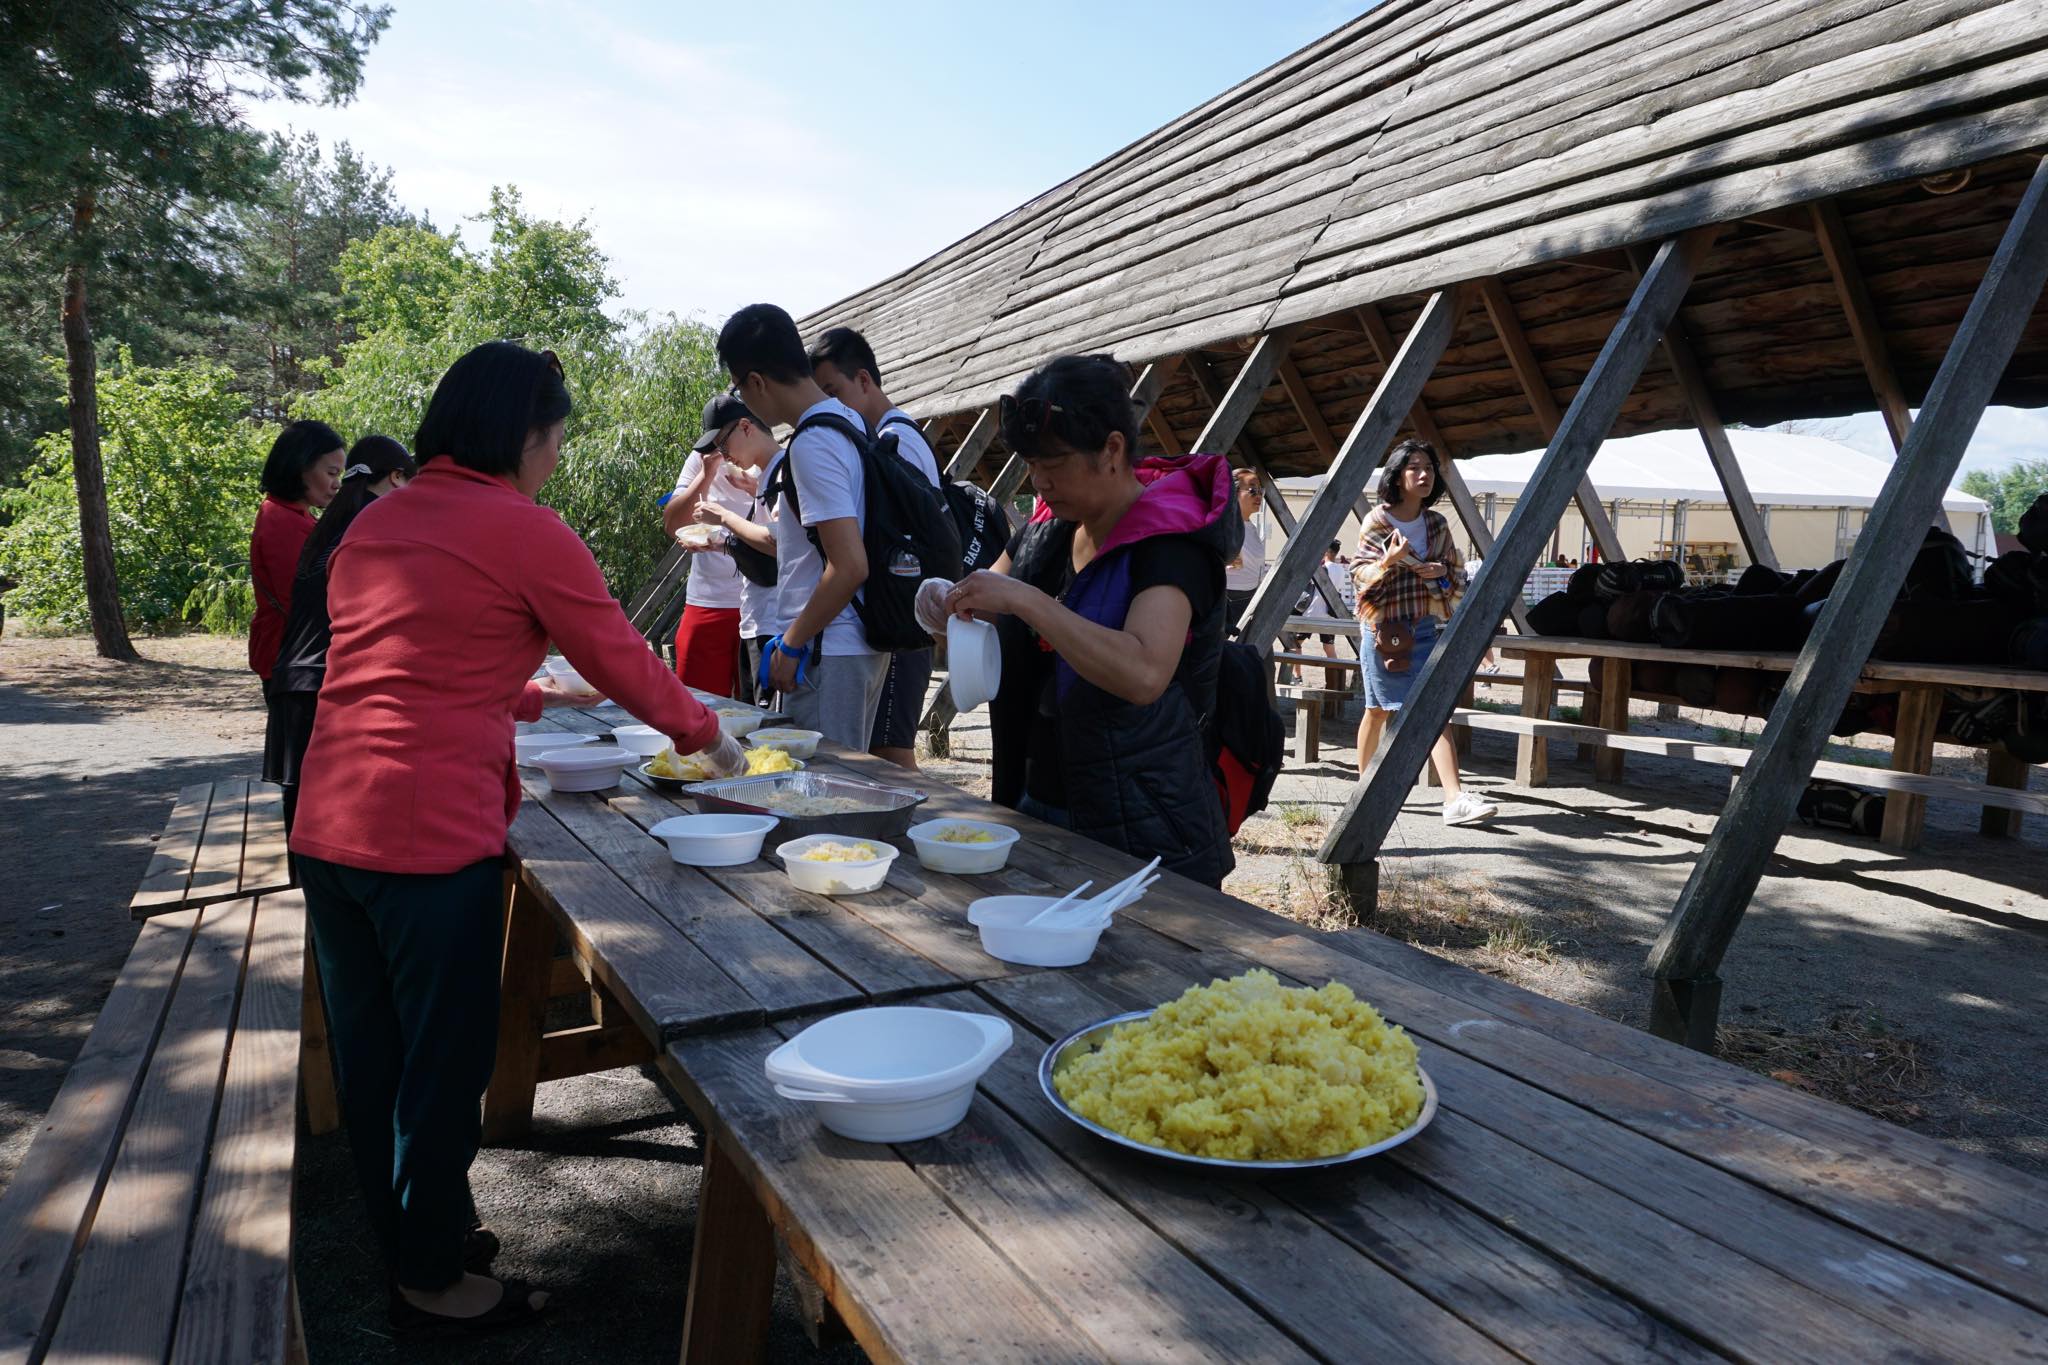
(838,697)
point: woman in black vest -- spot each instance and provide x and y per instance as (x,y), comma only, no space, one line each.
(1111,605)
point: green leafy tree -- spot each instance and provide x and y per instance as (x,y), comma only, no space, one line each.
(180,454)
(121,138)
(2010,492)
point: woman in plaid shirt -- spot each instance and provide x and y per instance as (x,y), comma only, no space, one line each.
(1409,576)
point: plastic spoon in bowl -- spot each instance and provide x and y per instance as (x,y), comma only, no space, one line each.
(1062,903)
(1102,898)
(1093,917)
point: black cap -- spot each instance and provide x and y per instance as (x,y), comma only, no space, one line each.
(720,413)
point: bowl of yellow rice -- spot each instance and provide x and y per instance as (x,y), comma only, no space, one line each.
(1246,1074)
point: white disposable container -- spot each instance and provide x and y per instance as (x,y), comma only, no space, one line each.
(714,840)
(739,724)
(794,742)
(974,662)
(569,680)
(894,1073)
(591,768)
(643,740)
(835,879)
(1003,935)
(528,748)
(939,855)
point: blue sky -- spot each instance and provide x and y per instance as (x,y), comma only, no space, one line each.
(800,151)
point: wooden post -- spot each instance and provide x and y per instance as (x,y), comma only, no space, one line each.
(522,1013)
(1376,802)
(1615,687)
(1360,454)
(1500,309)
(316,1062)
(968,453)
(732,1268)
(1539,694)
(1693,941)
(2001,769)
(1919,717)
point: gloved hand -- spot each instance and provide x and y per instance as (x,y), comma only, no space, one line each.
(930,607)
(725,756)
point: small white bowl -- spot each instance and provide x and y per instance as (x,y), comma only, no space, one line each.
(714,840)
(796,743)
(527,749)
(589,769)
(739,725)
(836,879)
(938,855)
(572,682)
(1003,935)
(892,1073)
(643,740)
(974,662)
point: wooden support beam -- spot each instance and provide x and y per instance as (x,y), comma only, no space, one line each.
(1688,952)
(1163,433)
(1354,840)
(1782,220)
(1500,310)
(1364,447)
(969,452)
(1864,328)
(1706,415)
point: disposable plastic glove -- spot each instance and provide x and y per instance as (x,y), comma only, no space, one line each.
(724,756)
(930,607)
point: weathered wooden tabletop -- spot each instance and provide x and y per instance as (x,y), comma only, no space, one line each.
(1587,1192)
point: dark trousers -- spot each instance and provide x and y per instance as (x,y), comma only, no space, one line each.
(410,969)
(1235,600)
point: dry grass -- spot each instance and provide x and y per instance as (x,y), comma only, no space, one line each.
(1853,1059)
(1313,894)
(1300,815)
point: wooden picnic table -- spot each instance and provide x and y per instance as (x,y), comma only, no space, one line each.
(1586,1191)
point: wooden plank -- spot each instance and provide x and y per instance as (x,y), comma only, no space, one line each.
(1615,691)
(316,1059)
(1864,327)
(217,866)
(1365,445)
(586,1048)
(977,440)
(2003,772)
(910,1275)
(237,1292)
(1726,875)
(266,862)
(48,1207)
(732,1268)
(1532,749)
(170,866)
(123,1299)
(1913,731)
(522,1012)
(1373,805)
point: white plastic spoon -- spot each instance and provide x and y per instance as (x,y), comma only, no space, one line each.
(1062,903)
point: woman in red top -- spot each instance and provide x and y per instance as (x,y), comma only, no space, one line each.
(443,602)
(303,472)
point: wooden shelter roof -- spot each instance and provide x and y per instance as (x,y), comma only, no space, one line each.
(1528,142)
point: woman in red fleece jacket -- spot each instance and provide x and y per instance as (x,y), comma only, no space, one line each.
(302,471)
(443,602)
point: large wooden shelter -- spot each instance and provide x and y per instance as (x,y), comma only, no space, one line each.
(1500,224)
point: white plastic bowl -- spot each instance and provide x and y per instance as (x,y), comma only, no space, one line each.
(974,662)
(528,748)
(794,742)
(938,855)
(894,1073)
(589,769)
(714,840)
(643,740)
(569,680)
(1003,935)
(836,879)
(739,725)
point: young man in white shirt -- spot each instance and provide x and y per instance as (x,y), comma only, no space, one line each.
(747,449)
(708,636)
(844,365)
(819,661)
(1241,577)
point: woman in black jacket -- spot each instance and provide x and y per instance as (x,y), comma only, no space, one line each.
(375,466)
(1112,604)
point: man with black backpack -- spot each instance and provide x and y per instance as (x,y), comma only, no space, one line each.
(844,365)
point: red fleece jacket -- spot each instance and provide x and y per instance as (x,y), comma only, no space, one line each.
(280,533)
(444,597)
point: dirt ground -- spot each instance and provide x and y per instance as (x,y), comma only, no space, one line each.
(1910,985)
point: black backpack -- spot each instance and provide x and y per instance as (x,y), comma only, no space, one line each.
(906,531)
(983,525)
(1247,738)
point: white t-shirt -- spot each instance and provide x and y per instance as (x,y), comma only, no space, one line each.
(1245,577)
(910,443)
(760,608)
(1339,575)
(714,579)
(1416,532)
(825,466)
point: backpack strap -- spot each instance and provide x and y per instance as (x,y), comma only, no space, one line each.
(785,474)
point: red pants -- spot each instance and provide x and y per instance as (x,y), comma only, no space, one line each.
(708,648)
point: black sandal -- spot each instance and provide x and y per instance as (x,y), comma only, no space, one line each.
(513,1309)
(479,1249)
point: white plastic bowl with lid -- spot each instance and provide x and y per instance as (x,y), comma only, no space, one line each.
(527,749)
(892,1073)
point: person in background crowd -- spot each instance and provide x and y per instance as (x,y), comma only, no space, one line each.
(443,602)
(844,365)
(751,451)
(302,472)
(1245,572)
(1337,574)
(819,662)
(376,465)
(1118,598)
(708,636)
(1409,577)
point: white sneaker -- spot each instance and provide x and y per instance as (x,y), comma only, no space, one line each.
(1467,809)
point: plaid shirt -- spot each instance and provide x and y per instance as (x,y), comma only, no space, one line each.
(1393,592)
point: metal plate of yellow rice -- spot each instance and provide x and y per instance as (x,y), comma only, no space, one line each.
(1181,1087)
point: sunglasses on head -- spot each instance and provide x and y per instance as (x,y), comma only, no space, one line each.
(1026,419)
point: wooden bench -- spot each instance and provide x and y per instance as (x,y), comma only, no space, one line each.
(151,1219)
(1910,780)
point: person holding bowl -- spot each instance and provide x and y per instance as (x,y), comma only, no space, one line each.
(443,601)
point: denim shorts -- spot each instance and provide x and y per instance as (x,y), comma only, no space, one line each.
(1386,691)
